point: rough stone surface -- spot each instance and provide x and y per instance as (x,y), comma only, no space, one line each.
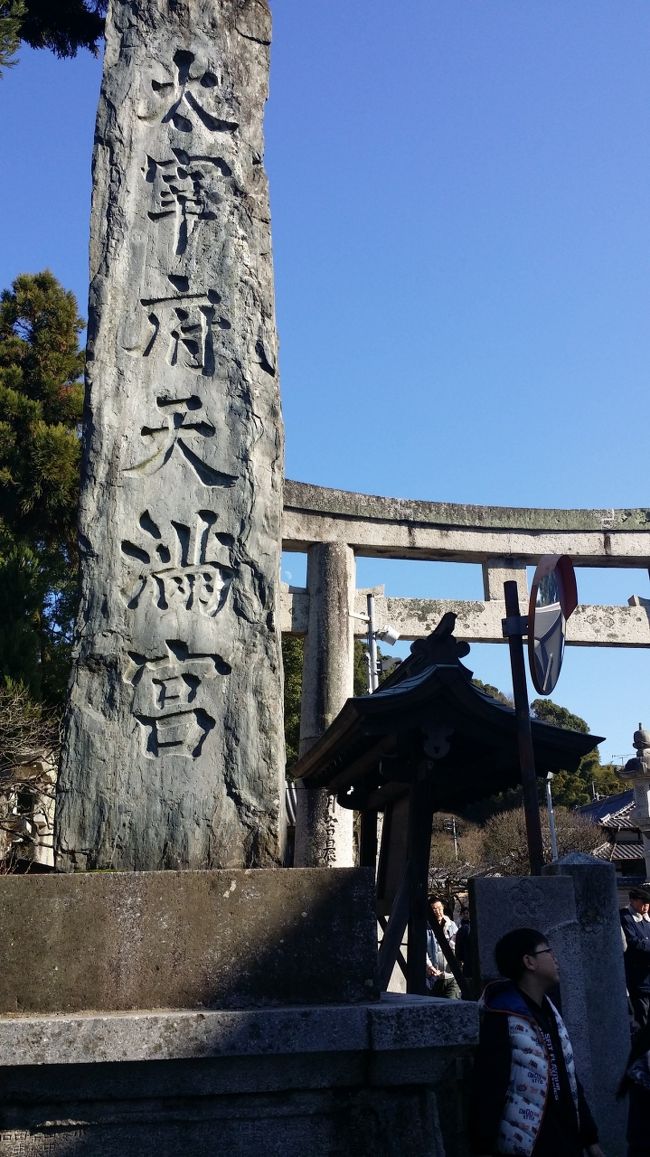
(322,500)
(217,939)
(480,621)
(174,743)
(607,1019)
(546,903)
(287,1081)
(402,528)
(324,831)
(341,1121)
(394,1024)
(497,571)
(574,904)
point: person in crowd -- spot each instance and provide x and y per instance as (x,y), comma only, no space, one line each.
(440,978)
(463,947)
(526,1098)
(636,1082)
(635,923)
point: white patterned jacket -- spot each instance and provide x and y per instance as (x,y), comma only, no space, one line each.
(530,1069)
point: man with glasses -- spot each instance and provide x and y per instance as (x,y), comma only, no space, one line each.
(527,1099)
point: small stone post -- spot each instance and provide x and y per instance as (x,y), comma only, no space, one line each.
(174,753)
(638,770)
(606,1021)
(573,903)
(324,831)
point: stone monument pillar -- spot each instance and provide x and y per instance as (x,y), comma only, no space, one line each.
(324,831)
(638,770)
(174,754)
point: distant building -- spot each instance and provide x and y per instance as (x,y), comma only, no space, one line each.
(622,843)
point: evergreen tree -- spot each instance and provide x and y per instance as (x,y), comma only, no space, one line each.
(63,26)
(41,400)
(12,13)
(360,677)
(550,712)
(292,657)
(492,691)
(571,789)
(292,654)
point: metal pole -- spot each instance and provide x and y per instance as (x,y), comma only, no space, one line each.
(551,816)
(514,629)
(373,678)
(455,835)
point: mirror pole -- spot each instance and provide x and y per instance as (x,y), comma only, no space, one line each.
(515,628)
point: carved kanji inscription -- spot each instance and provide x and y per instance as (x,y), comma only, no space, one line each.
(186,189)
(186,568)
(182,327)
(181,429)
(169,698)
(188,98)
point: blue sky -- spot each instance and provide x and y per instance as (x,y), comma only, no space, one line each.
(459,193)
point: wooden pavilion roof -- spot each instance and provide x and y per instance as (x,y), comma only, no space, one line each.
(429,711)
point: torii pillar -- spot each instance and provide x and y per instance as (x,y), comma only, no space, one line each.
(324,831)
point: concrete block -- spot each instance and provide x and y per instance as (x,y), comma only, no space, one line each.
(186,940)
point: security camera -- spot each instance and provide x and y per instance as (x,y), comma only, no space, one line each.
(388,635)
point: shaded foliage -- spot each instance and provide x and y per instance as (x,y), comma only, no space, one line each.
(12,13)
(292,658)
(592,778)
(453,860)
(360,683)
(41,399)
(292,655)
(27,728)
(29,741)
(63,26)
(553,713)
(492,691)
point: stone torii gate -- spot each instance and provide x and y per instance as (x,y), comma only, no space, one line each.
(334,526)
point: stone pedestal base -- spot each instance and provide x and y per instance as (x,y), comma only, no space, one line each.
(287,1081)
(221,939)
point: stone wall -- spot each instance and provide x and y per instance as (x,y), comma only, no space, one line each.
(282,1082)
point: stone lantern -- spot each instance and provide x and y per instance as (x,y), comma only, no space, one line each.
(638,770)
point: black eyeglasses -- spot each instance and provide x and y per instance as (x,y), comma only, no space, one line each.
(541,951)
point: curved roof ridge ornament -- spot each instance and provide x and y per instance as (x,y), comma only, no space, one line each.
(440,648)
